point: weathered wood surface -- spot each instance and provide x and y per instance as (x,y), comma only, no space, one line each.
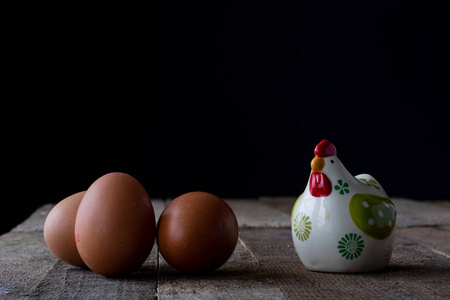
(263,266)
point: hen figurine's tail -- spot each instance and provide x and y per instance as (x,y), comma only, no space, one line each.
(371,181)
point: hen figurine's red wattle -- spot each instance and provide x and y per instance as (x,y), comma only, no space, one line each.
(319,185)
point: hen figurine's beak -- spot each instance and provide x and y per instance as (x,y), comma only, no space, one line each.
(317,164)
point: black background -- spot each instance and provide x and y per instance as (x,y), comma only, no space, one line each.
(223,96)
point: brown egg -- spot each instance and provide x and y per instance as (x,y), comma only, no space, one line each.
(59,229)
(197,232)
(115,225)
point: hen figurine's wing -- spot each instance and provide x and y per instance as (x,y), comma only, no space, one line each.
(373,212)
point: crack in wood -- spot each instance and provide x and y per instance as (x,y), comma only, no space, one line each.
(426,226)
(246,249)
(440,253)
(158,272)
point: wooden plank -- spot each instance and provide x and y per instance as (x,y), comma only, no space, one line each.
(67,282)
(29,269)
(417,214)
(24,262)
(414,272)
(238,278)
(255,214)
(263,266)
(445,204)
(283,204)
(281,271)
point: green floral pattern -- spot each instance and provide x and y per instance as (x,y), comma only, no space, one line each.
(342,187)
(351,246)
(302,226)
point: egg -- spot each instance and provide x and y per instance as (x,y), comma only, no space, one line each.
(115,225)
(59,229)
(197,232)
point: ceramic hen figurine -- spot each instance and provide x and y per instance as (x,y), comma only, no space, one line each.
(342,223)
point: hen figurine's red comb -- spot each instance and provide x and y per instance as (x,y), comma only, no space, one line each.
(324,149)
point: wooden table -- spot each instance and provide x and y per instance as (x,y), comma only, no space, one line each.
(263,266)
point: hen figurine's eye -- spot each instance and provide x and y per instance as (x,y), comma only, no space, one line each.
(332,161)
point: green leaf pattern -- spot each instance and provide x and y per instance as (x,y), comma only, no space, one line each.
(342,187)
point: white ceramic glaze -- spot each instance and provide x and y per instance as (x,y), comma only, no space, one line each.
(349,230)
